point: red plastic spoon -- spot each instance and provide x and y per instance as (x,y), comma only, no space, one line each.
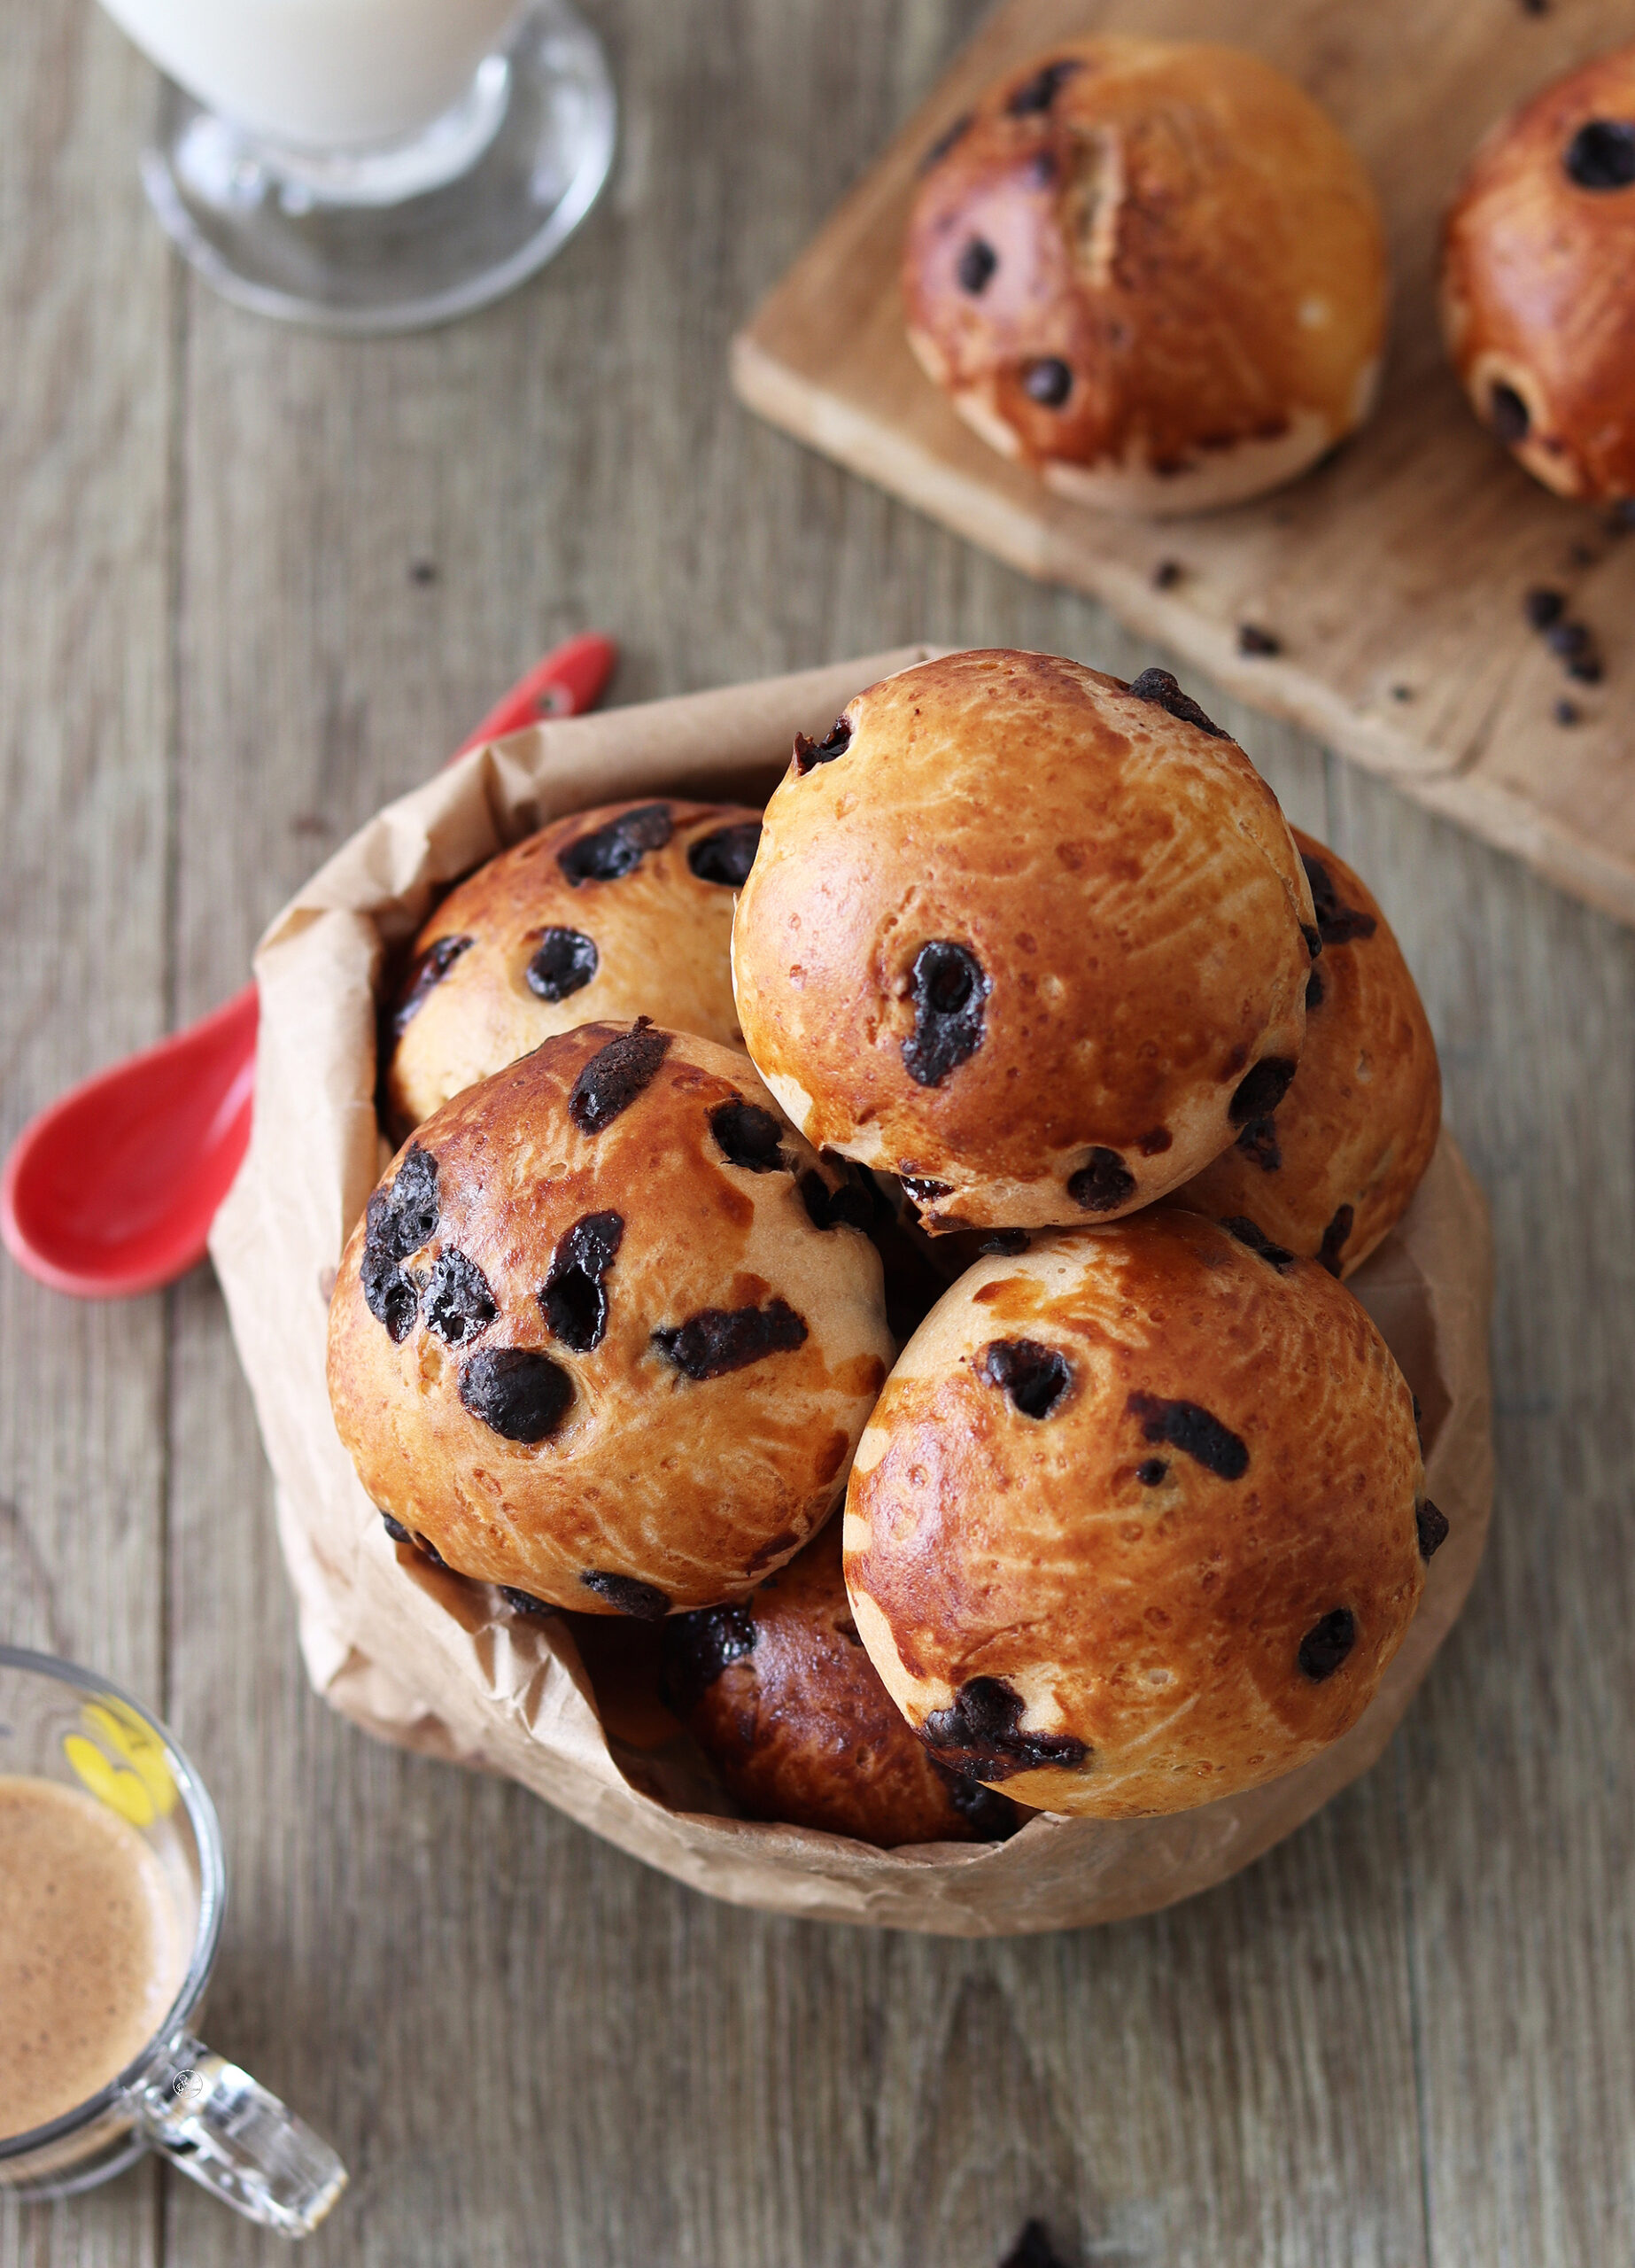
(111,1191)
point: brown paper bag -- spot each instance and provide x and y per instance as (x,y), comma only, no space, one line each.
(424,1658)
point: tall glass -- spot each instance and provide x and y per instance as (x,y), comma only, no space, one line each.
(177,2096)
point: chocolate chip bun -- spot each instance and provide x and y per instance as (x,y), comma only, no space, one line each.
(1154,271)
(781,1698)
(1329,1172)
(1033,940)
(621,911)
(605,1334)
(1138,1520)
(1537,300)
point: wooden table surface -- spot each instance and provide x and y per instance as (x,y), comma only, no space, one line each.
(253,583)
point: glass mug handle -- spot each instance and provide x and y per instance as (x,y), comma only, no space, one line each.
(214,2124)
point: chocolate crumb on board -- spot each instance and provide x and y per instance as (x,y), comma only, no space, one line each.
(1252,637)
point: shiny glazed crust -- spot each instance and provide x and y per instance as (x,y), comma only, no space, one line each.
(1124,879)
(792,1715)
(1111,1601)
(1177,295)
(672,1489)
(660,933)
(1537,301)
(1329,1174)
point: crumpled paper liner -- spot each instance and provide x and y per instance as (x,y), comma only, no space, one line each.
(438,1665)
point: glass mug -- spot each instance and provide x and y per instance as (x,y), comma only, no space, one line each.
(175,2096)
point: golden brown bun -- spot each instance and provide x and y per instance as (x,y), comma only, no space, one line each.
(1537,300)
(622,912)
(1139,1599)
(1156,271)
(781,1698)
(1330,1173)
(1109,866)
(581,1351)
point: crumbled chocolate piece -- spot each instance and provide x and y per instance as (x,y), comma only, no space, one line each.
(1159,688)
(1334,1239)
(1432,1528)
(1602,155)
(1167,574)
(991,1817)
(1150,1470)
(518,1393)
(719,1339)
(390,1298)
(1327,1644)
(627,1595)
(1253,639)
(525,1601)
(976,264)
(946,140)
(1507,413)
(1338,923)
(426,974)
(1543,606)
(1008,1241)
(747,1136)
(1566,712)
(948,987)
(1032,1377)
(981,1734)
(1258,1094)
(1039,92)
(726,856)
(697,1648)
(1032,2249)
(1313,999)
(1248,1234)
(1049,381)
(612,852)
(399,1221)
(396,1530)
(564,963)
(808,754)
(1103,1182)
(459,1304)
(1194,1431)
(616,1074)
(1259,1139)
(574,1297)
(848,1206)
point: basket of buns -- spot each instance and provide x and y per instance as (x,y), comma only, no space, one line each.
(857,1280)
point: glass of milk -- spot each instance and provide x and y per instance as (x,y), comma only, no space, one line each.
(372,164)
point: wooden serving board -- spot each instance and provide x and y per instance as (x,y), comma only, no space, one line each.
(1393,576)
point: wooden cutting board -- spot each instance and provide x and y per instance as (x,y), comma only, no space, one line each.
(1393,576)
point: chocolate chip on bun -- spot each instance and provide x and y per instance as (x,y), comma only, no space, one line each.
(1032,939)
(1139,1520)
(621,911)
(1155,271)
(606,1334)
(1329,1172)
(780,1695)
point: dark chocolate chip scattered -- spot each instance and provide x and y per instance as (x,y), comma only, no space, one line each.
(1338,923)
(1432,1527)
(423,572)
(615,1076)
(1253,639)
(574,1297)
(459,1304)
(1507,413)
(1566,712)
(1159,688)
(1008,1241)
(1588,669)
(525,1601)
(1039,92)
(1103,1182)
(726,856)
(424,1543)
(396,1530)
(389,1295)
(1049,382)
(1259,1139)
(976,264)
(948,987)
(1602,155)
(1327,1644)
(1032,1377)
(564,963)
(426,974)
(1543,606)
(1248,1234)
(403,1216)
(808,754)
(719,1339)
(747,1136)
(617,848)
(991,1817)
(1150,1470)
(1569,640)
(1258,1094)
(626,1595)
(1334,1239)
(1154,1143)
(848,1206)
(1402,693)
(946,140)
(697,1648)
(516,1392)
(923,1191)
(1167,574)
(981,1734)
(1032,2249)
(1194,1431)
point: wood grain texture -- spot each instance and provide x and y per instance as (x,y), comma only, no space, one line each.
(1401,2041)
(1393,575)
